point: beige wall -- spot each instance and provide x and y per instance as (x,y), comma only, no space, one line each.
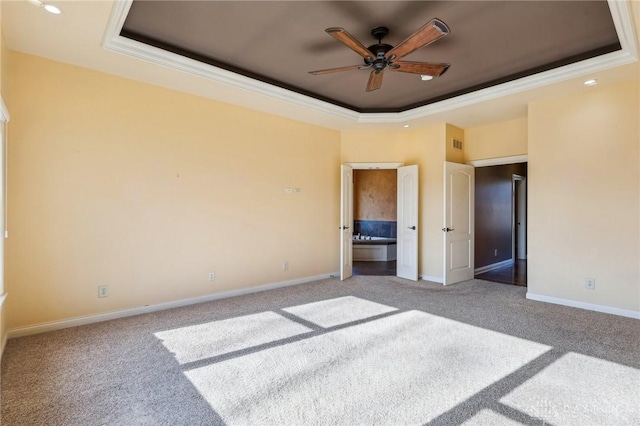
(584,196)
(426,148)
(454,155)
(3,331)
(503,139)
(147,190)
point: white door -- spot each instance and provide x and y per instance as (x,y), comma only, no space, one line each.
(459,190)
(407,235)
(346,222)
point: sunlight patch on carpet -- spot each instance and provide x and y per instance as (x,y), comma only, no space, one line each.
(202,341)
(406,368)
(342,310)
(601,392)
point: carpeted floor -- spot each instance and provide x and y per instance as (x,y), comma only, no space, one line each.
(371,350)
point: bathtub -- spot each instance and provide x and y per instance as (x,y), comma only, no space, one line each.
(374,249)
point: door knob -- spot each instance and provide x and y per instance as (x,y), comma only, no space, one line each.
(411,227)
(448,229)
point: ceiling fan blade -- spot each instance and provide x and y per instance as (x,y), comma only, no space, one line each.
(375,80)
(331,70)
(425,68)
(430,32)
(350,41)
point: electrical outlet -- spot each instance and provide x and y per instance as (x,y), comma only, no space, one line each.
(212,276)
(103,291)
(285,265)
(590,283)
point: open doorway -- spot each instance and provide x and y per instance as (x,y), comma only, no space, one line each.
(374,222)
(500,211)
(407,190)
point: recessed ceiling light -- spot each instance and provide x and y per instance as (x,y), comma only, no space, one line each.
(406,126)
(591,82)
(48,7)
(425,77)
(51,9)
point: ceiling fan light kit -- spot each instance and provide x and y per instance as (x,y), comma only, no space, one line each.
(381,56)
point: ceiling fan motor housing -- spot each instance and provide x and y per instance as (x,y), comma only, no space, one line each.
(379,49)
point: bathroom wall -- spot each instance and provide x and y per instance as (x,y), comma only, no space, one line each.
(375,194)
(374,202)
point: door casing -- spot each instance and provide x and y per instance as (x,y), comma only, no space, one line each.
(519,218)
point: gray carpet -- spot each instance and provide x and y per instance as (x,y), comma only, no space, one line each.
(371,350)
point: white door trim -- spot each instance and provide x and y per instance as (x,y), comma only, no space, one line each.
(514,229)
(346,222)
(514,159)
(374,166)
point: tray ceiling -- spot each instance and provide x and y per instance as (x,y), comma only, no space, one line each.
(491,42)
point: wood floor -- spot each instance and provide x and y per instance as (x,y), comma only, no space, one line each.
(515,274)
(374,268)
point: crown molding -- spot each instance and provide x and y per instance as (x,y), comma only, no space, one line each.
(620,12)
(623,22)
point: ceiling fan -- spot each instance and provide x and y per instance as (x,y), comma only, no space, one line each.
(380,56)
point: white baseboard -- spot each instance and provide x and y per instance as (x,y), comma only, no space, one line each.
(487,268)
(91,319)
(3,336)
(432,278)
(582,305)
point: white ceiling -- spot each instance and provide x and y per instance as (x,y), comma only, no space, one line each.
(77,37)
